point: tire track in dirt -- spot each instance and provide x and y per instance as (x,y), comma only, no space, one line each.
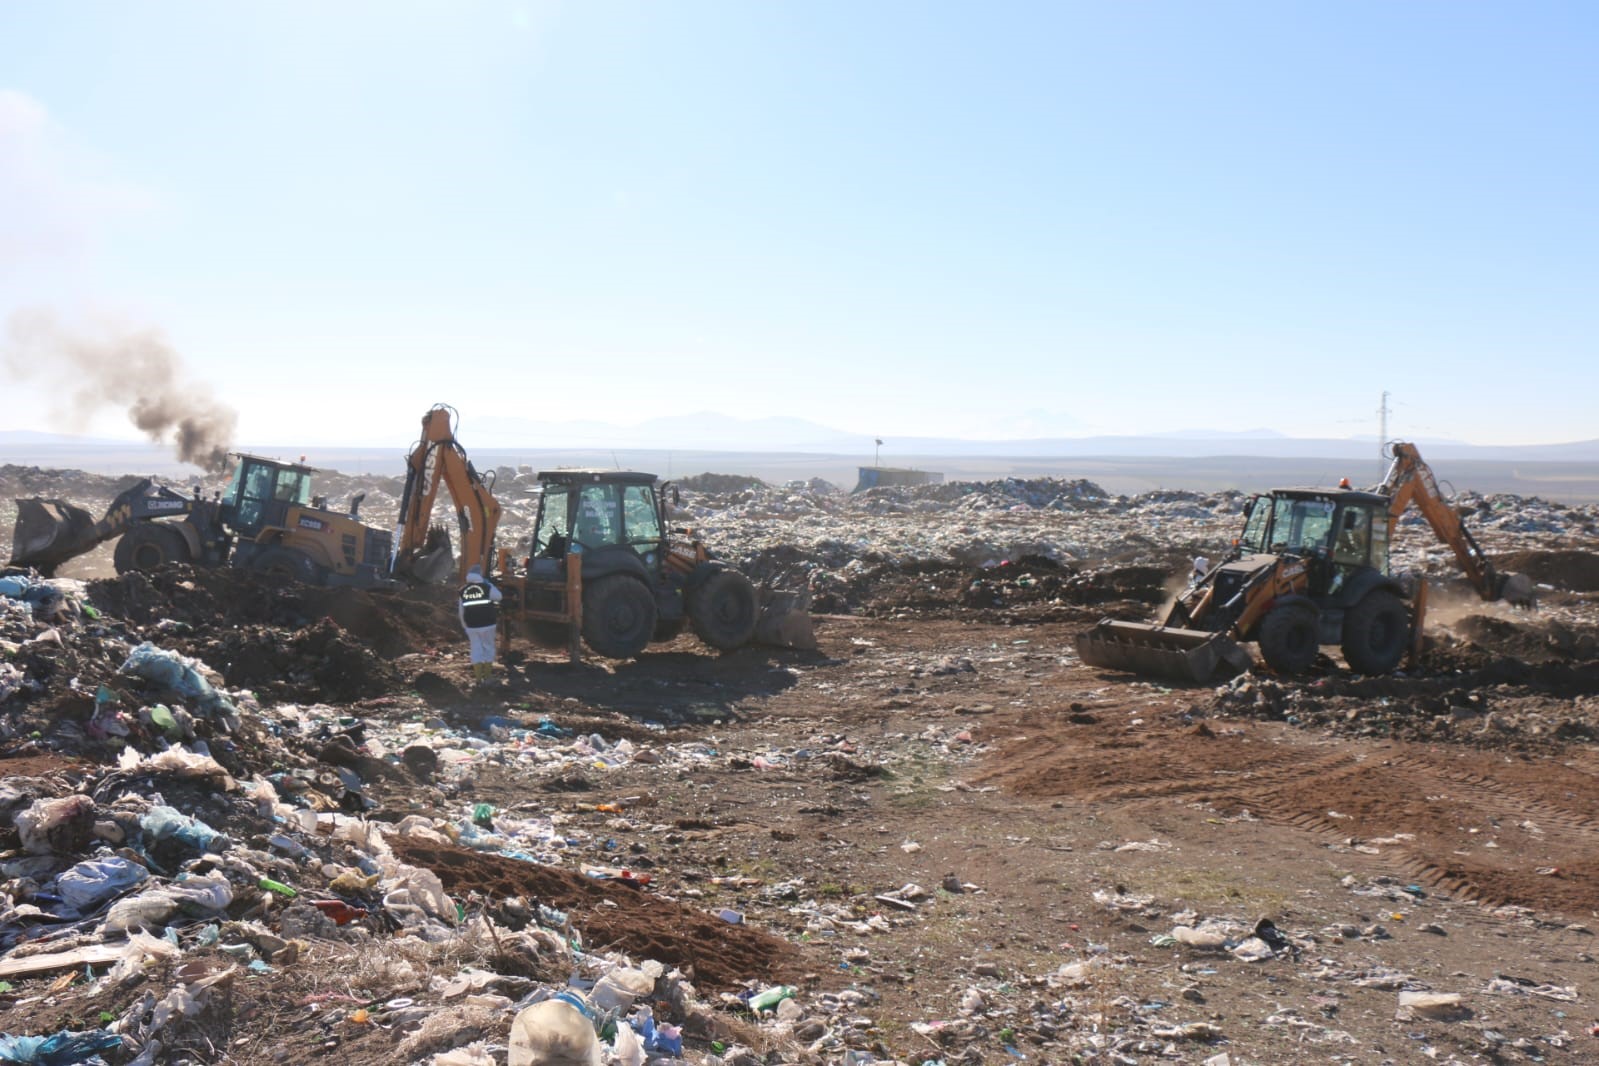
(1476,824)
(1478,833)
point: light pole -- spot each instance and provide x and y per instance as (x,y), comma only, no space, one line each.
(876,451)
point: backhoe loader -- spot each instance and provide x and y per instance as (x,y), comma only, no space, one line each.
(606,564)
(1310,568)
(604,568)
(266,520)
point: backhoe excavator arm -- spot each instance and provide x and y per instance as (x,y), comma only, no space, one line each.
(1410,481)
(439,459)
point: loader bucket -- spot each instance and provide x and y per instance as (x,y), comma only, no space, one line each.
(784,622)
(1183,654)
(49,532)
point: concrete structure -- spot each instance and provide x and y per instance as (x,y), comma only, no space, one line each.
(872,477)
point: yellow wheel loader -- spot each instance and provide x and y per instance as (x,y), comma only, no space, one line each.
(1310,568)
(266,521)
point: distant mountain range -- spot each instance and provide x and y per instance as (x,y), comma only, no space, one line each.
(712,432)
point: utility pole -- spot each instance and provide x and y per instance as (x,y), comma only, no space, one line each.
(1382,434)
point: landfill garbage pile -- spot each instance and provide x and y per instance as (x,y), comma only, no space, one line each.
(244,821)
(170,834)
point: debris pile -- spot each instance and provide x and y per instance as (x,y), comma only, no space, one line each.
(277,818)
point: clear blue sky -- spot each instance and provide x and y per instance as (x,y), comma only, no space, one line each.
(898,218)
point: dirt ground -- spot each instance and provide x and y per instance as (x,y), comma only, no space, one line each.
(1434,830)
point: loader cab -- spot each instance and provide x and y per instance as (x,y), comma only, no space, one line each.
(598,514)
(1340,531)
(261,493)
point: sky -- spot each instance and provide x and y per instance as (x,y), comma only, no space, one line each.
(936,219)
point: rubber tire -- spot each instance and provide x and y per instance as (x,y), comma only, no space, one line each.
(288,563)
(1376,633)
(148,545)
(723,611)
(1289,639)
(618,616)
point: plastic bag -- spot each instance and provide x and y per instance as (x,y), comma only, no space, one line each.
(62,825)
(163,823)
(149,910)
(93,881)
(62,1049)
(626,1047)
(178,673)
(552,1031)
(619,988)
(202,895)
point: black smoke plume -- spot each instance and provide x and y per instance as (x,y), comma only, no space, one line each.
(90,368)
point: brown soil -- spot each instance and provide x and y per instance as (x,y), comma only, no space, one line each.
(1572,570)
(616,915)
(947,737)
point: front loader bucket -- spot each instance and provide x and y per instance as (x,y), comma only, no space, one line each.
(49,532)
(1183,654)
(785,622)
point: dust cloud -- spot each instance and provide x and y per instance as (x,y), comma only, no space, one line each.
(93,367)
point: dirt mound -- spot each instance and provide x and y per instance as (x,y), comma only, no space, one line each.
(317,664)
(1574,571)
(1529,642)
(211,599)
(615,916)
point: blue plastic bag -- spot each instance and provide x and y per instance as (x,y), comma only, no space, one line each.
(62,1049)
(94,881)
(162,823)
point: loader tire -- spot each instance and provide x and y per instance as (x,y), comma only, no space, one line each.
(149,545)
(288,564)
(1376,633)
(1289,639)
(723,611)
(618,616)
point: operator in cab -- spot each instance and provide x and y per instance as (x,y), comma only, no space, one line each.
(480,619)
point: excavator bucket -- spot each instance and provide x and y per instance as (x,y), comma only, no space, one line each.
(1183,654)
(436,561)
(49,532)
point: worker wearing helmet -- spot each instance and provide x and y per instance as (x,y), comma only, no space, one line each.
(480,619)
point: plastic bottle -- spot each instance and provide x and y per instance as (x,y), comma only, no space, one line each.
(770,998)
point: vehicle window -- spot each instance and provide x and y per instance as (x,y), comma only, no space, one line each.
(257,490)
(640,519)
(294,486)
(552,524)
(598,520)
(1297,525)
(1353,541)
(1254,538)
